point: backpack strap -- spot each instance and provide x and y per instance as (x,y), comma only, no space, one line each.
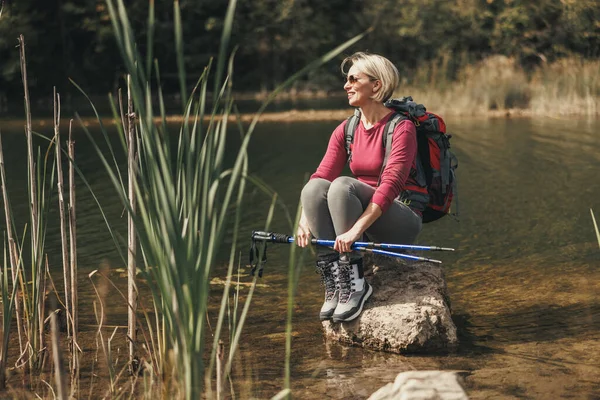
(453,166)
(388,133)
(446,158)
(349,130)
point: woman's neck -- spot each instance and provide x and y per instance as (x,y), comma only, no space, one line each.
(372,113)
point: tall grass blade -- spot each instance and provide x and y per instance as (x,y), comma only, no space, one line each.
(9,301)
(179,52)
(7,309)
(238,325)
(14,255)
(307,69)
(224,45)
(150,38)
(265,188)
(595,226)
(292,282)
(72,213)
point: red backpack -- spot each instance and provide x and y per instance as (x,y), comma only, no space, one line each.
(436,164)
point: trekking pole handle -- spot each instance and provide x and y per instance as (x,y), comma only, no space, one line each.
(272,237)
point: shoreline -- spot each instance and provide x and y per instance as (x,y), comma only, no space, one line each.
(317,116)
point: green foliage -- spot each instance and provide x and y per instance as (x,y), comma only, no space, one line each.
(14,22)
(414,31)
(73,39)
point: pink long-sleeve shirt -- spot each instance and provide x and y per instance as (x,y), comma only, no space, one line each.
(367,158)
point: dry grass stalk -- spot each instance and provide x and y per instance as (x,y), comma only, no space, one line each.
(35,309)
(59,371)
(61,210)
(41,314)
(132,242)
(220,358)
(30,157)
(73,252)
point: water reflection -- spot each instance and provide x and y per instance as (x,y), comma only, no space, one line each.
(524,282)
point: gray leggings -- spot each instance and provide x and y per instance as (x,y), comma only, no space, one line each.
(332,208)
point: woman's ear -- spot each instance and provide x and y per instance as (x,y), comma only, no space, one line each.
(376,86)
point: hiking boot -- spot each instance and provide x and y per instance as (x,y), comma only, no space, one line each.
(327,266)
(353,288)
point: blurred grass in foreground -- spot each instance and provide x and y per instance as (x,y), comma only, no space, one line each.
(186,197)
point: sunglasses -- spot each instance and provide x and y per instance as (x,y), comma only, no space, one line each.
(352,79)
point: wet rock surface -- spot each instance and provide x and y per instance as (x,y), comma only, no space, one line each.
(408,312)
(422,385)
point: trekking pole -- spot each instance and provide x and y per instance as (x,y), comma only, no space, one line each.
(392,254)
(369,247)
(282,238)
(390,246)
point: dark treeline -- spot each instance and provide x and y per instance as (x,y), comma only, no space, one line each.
(73,38)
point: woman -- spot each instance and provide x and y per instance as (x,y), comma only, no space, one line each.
(345,208)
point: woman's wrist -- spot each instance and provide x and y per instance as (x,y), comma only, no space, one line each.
(357,231)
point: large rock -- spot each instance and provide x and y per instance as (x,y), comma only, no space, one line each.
(422,385)
(408,312)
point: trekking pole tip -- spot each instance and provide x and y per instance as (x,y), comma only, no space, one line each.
(436,248)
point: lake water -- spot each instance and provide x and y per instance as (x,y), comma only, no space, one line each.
(524,281)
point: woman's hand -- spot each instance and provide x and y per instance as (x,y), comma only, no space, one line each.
(343,243)
(303,235)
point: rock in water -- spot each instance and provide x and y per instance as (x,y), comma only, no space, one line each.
(408,312)
(422,385)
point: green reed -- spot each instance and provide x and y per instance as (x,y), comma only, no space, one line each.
(185,194)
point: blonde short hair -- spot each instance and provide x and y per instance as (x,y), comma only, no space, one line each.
(376,67)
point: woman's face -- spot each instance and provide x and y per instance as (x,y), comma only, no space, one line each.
(359,87)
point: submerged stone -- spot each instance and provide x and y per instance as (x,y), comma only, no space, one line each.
(422,385)
(408,312)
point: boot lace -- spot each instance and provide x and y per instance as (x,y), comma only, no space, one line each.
(328,277)
(346,282)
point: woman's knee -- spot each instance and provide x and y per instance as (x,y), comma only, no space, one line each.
(314,189)
(341,186)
